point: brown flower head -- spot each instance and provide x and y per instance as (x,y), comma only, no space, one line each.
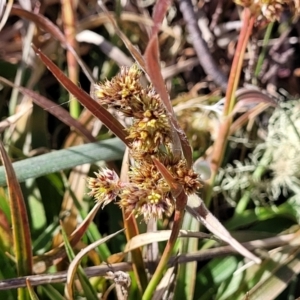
(146,176)
(186,177)
(183,175)
(270,9)
(121,90)
(145,202)
(147,193)
(151,126)
(105,187)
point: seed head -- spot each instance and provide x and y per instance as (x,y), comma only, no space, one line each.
(121,90)
(105,187)
(145,202)
(270,9)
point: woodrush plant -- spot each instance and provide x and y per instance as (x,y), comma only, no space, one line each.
(147,193)
(161,177)
(160,180)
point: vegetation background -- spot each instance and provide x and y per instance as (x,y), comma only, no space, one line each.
(232,73)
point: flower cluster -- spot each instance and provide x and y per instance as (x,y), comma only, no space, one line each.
(105,187)
(147,193)
(270,9)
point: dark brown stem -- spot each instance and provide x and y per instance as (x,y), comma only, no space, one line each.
(207,62)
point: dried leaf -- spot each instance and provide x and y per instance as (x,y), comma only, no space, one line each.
(95,108)
(53,108)
(198,210)
(76,261)
(45,24)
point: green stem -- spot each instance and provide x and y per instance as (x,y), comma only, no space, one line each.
(256,176)
(262,55)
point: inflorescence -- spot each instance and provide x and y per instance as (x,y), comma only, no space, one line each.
(147,193)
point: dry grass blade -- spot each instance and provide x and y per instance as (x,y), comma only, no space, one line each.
(160,236)
(60,277)
(283,267)
(152,55)
(69,20)
(51,28)
(254,102)
(250,114)
(54,109)
(113,52)
(152,64)
(197,209)
(200,255)
(20,224)
(134,52)
(6,13)
(23,109)
(248,98)
(97,110)
(166,284)
(74,264)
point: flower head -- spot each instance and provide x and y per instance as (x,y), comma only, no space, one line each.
(270,9)
(105,187)
(147,193)
(148,203)
(121,90)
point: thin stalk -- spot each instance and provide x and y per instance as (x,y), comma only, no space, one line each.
(205,58)
(138,265)
(178,219)
(131,230)
(69,23)
(262,55)
(234,78)
(236,69)
(256,176)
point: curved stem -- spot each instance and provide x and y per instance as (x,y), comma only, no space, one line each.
(234,78)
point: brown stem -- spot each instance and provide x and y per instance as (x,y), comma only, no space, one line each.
(234,78)
(207,62)
(181,201)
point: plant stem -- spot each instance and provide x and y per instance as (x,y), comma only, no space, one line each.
(262,55)
(138,265)
(178,219)
(203,53)
(131,230)
(234,78)
(69,24)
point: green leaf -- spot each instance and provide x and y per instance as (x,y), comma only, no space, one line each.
(20,224)
(88,289)
(107,150)
(52,292)
(187,272)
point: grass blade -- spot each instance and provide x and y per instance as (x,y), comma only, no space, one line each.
(53,108)
(76,261)
(20,225)
(89,291)
(48,26)
(96,109)
(107,150)
(33,295)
